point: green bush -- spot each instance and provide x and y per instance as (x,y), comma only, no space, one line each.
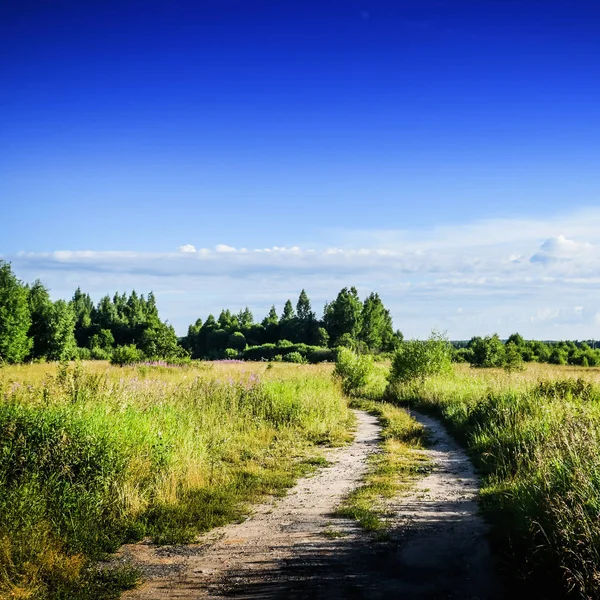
(84,354)
(257,353)
(231,353)
(317,355)
(294,357)
(312,354)
(419,359)
(99,354)
(353,370)
(487,352)
(126,355)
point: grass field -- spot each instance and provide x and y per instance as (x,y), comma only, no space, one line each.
(535,436)
(92,456)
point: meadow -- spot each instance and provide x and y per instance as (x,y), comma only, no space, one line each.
(92,456)
(535,436)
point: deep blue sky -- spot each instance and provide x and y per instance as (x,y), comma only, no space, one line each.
(146,125)
(457,142)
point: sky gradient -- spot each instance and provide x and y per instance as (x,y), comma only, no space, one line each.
(443,154)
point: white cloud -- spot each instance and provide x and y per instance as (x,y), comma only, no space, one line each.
(187,248)
(224,248)
(560,248)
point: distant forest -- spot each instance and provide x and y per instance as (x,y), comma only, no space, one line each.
(127,329)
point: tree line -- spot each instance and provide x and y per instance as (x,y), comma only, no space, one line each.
(297,333)
(33,327)
(491,351)
(127,328)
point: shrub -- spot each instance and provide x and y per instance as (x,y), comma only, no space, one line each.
(99,354)
(418,359)
(236,341)
(353,370)
(317,355)
(294,357)
(487,351)
(231,353)
(126,355)
(84,354)
(264,352)
(513,360)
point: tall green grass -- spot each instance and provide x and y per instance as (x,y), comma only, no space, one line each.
(90,459)
(536,441)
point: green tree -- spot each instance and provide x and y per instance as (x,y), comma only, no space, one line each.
(376,331)
(228,321)
(83,307)
(516,339)
(52,325)
(288,313)
(15,317)
(202,342)
(40,308)
(342,316)
(103,339)
(237,341)
(245,318)
(487,351)
(134,311)
(61,328)
(190,340)
(513,360)
(106,315)
(303,308)
(271,326)
(217,340)
(160,341)
(271,318)
(322,337)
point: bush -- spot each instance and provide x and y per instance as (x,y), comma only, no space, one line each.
(236,341)
(317,355)
(294,357)
(84,354)
(418,359)
(264,352)
(353,370)
(513,360)
(312,354)
(126,355)
(231,353)
(487,351)
(99,354)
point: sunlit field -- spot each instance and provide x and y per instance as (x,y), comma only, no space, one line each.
(535,435)
(92,456)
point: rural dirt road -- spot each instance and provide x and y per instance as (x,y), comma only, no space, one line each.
(294,548)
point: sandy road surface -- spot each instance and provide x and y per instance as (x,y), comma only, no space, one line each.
(437,547)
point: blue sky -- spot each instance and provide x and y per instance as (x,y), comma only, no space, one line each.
(442,153)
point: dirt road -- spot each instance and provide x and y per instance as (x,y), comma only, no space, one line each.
(295,548)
